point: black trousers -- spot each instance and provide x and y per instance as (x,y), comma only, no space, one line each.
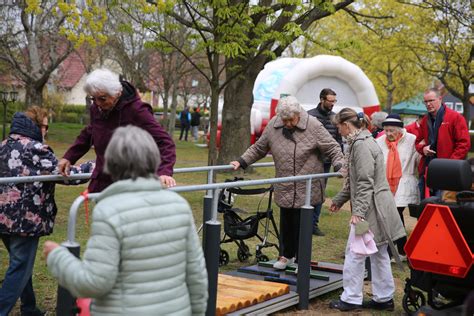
(289,232)
(400,243)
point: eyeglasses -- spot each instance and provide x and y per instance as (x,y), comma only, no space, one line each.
(429,101)
(100,98)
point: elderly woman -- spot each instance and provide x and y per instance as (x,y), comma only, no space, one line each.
(401,159)
(116,103)
(297,142)
(376,119)
(27,210)
(365,185)
(144,255)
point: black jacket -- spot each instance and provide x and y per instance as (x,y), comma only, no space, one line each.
(325,118)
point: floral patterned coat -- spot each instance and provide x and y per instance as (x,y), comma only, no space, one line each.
(28,209)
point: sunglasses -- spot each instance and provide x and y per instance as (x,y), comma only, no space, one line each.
(101,99)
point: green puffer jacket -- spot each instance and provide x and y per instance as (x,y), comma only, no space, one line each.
(143,257)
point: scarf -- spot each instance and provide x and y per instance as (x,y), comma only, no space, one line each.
(346,165)
(394,166)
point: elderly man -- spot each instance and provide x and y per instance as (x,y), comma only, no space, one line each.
(443,134)
(323,112)
(295,140)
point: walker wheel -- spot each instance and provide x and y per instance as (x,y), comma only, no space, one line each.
(412,301)
(223,258)
(263,258)
(242,255)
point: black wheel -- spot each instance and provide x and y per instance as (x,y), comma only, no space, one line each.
(242,255)
(262,258)
(223,258)
(412,301)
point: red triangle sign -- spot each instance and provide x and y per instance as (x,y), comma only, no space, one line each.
(437,244)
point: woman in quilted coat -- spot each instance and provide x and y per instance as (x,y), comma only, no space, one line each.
(298,143)
(144,256)
(27,210)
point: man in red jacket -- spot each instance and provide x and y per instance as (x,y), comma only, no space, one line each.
(443,134)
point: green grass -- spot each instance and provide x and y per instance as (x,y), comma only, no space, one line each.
(328,248)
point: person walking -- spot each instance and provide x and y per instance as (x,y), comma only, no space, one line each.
(401,162)
(195,122)
(144,256)
(116,103)
(185,120)
(323,112)
(373,206)
(295,140)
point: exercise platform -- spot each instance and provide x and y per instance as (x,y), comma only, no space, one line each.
(271,290)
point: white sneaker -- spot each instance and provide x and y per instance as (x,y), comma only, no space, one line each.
(283,262)
(402,259)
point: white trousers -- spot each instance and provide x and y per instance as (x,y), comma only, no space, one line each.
(383,286)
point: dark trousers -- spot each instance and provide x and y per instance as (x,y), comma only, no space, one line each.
(17,282)
(289,232)
(184,127)
(318,207)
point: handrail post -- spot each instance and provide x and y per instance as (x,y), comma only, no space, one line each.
(207,202)
(304,250)
(211,238)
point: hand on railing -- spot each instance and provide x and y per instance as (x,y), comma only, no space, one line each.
(64,167)
(235,164)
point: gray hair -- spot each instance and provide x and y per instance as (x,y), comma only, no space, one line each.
(131,153)
(103,80)
(377,118)
(288,107)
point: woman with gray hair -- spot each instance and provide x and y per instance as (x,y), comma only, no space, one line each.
(116,103)
(376,120)
(144,256)
(296,141)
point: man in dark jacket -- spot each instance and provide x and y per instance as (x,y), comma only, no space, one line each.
(116,103)
(323,112)
(195,122)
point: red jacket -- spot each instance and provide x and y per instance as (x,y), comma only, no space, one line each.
(453,137)
(413,128)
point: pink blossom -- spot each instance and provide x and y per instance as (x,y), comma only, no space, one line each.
(13,195)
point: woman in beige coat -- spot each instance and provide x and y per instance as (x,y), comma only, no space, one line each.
(297,142)
(365,185)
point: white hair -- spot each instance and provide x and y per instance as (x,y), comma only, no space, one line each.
(103,80)
(131,153)
(288,107)
(377,118)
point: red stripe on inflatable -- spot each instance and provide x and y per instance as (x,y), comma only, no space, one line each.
(371,109)
(273,106)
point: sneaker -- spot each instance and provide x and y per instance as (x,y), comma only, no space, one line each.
(343,306)
(403,258)
(282,263)
(386,306)
(317,231)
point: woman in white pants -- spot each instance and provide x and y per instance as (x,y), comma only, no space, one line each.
(366,186)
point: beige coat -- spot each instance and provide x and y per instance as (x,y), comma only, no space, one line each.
(369,192)
(300,156)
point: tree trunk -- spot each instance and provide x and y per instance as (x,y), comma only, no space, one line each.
(34,94)
(212,154)
(174,105)
(238,101)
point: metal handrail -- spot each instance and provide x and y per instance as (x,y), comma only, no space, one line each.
(85,176)
(206,187)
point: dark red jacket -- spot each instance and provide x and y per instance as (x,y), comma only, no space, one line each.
(130,110)
(453,137)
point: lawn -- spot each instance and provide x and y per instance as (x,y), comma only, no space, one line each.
(328,248)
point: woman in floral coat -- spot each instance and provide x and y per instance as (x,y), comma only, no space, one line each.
(27,210)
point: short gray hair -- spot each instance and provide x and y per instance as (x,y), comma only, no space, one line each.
(131,153)
(103,80)
(377,118)
(288,107)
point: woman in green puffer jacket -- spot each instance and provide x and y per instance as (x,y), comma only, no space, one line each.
(144,256)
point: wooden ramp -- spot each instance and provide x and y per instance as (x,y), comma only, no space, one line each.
(253,301)
(235,293)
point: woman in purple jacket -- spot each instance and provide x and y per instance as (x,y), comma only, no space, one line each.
(116,103)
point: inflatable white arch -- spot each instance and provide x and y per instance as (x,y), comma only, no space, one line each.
(304,79)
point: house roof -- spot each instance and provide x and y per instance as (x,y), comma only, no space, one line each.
(70,71)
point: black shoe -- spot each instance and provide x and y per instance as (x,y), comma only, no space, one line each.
(317,231)
(386,306)
(343,306)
